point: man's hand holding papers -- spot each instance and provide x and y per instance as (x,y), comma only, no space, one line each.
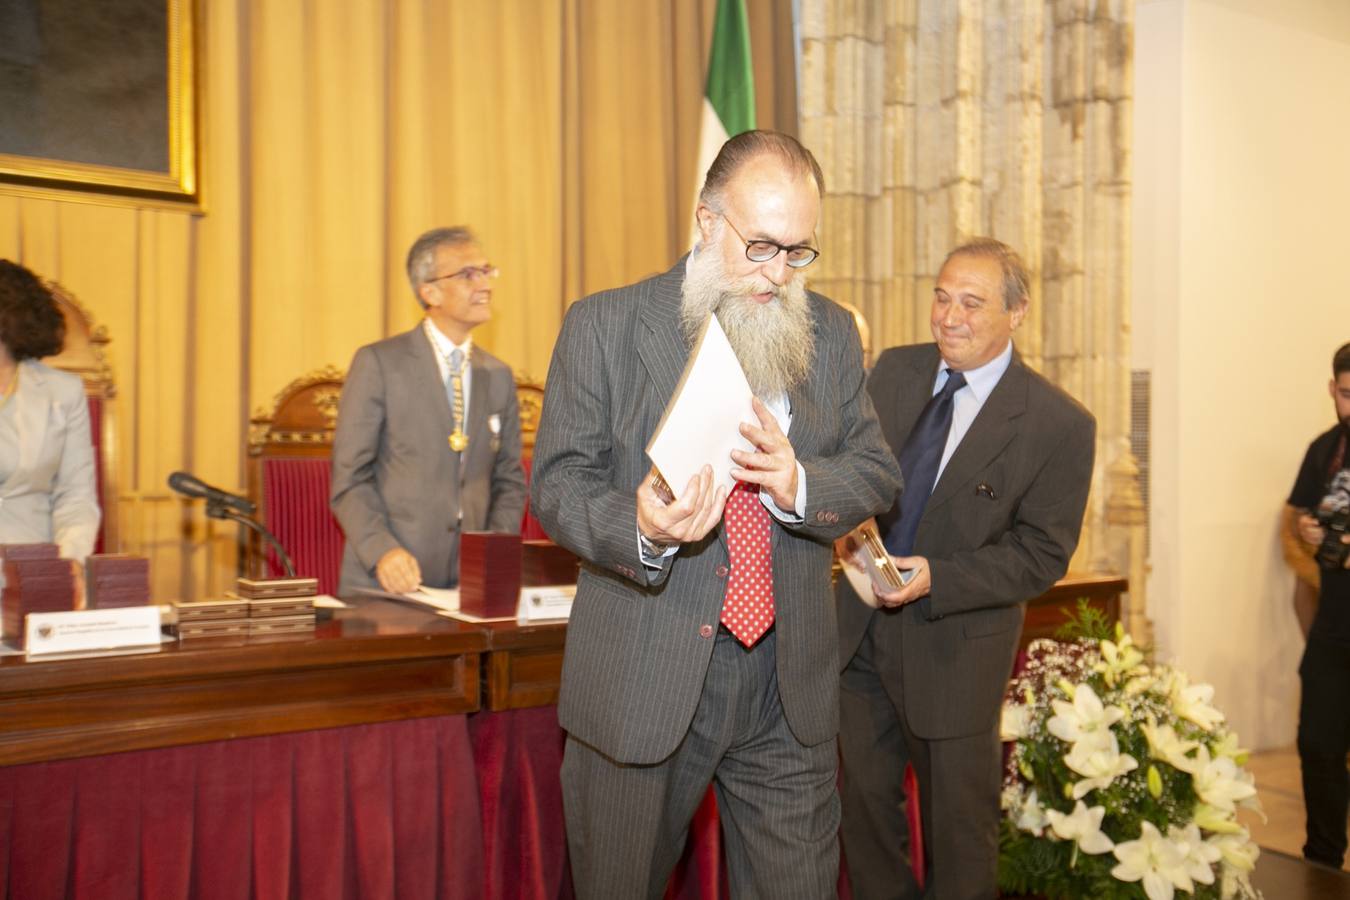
(689,517)
(773,465)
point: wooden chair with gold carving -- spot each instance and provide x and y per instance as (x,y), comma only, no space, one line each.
(530,396)
(290,447)
(288,477)
(85,354)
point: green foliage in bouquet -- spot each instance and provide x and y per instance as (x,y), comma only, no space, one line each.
(1122,780)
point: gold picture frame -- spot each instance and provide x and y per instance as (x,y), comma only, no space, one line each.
(172,79)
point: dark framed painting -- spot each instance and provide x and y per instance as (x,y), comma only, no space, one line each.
(100,97)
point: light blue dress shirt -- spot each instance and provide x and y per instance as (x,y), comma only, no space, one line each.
(969,400)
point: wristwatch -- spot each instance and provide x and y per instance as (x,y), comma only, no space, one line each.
(650,548)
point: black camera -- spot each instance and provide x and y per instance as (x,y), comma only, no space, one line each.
(1333,514)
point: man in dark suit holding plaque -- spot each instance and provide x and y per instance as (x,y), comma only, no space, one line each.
(701,643)
(428,432)
(997,463)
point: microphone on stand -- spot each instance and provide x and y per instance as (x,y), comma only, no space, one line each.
(224,505)
(192,486)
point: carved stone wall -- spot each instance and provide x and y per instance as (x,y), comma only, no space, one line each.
(939,120)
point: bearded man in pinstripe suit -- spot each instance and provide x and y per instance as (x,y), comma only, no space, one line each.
(665,689)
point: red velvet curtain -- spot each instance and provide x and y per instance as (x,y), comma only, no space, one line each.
(372,811)
(518,753)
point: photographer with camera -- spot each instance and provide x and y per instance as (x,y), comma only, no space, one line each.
(1322,496)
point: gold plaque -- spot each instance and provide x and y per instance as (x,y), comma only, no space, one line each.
(458,441)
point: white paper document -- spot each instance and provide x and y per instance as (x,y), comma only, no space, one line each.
(328,601)
(441,599)
(701,425)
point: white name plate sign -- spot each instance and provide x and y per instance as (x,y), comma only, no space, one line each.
(545,604)
(92,629)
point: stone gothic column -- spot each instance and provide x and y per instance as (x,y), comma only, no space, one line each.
(939,120)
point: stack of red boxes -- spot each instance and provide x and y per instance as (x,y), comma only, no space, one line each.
(36,580)
(117,579)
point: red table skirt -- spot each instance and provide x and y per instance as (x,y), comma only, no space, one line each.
(519,755)
(371,811)
(435,808)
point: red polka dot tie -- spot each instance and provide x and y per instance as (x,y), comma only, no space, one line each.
(747,611)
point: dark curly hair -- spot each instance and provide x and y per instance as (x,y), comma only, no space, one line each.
(31,325)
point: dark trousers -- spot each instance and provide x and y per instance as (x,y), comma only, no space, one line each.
(959,780)
(626,824)
(1323,741)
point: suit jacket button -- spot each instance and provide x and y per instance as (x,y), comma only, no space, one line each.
(721,571)
(834,517)
(705,631)
(820,516)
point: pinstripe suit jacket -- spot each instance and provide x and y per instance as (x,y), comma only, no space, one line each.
(1032,446)
(638,644)
(395,482)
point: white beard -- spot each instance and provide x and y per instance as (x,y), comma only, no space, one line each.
(773,341)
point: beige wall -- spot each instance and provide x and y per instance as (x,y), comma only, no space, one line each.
(564,132)
(1242,190)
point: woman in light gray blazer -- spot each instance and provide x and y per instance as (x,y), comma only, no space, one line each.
(47,486)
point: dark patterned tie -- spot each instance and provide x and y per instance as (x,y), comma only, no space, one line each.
(919,460)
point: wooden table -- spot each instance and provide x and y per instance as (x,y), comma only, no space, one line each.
(523,664)
(325,765)
(1050,610)
(379,662)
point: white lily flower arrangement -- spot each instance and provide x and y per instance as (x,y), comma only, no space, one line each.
(1122,780)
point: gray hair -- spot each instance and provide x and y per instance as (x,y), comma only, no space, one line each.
(422,255)
(749,145)
(1016,281)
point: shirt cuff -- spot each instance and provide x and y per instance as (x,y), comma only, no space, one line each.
(653,560)
(798,514)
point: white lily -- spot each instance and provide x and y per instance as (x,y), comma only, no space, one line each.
(1254,801)
(1237,850)
(1230,879)
(1139,684)
(1100,762)
(1199,855)
(1119,658)
(1164,744)
(1015,723)
(1239,859)
(1153,859)
(1191,702)
(1030,815)
(1216,820)
(1085,717)
(1083,826)
(1219,782)
(1228,746)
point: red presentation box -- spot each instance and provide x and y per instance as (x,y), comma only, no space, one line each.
(117,579)
(544,563)
(489,574)
(28,551)
(42,584)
